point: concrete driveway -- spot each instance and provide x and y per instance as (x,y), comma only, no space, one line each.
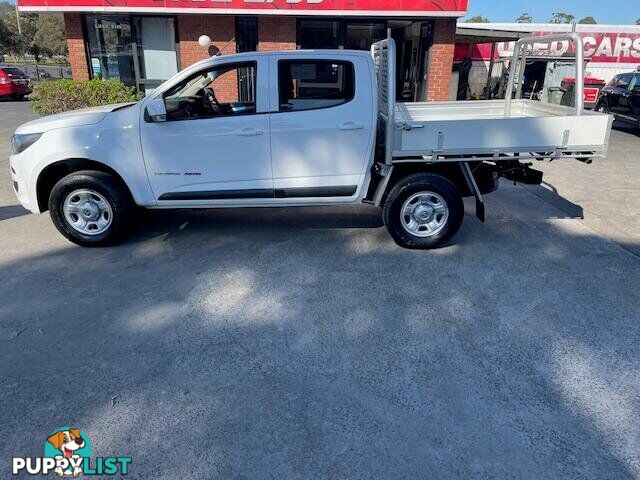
(305,344)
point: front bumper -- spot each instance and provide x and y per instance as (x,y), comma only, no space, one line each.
(26,197)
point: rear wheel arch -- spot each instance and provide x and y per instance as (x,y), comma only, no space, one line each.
(449,170)
(56,171)
(413,220)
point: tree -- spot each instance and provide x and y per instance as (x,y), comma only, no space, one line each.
(588,21)
(41,34)
(6,38)
(50,35)
(524,18)
(638,21)
(477,19)
(561,17)
(17,43)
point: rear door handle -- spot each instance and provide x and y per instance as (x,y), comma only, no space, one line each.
(351,126)
(250,132)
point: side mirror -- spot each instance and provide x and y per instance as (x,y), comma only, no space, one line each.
(157,111)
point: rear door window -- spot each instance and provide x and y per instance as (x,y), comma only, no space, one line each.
(314,84)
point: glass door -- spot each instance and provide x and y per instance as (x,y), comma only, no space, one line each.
(156,51)
(110,52)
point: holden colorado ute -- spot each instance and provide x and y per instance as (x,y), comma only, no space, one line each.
(296,128)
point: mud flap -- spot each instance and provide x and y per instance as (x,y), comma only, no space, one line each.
(473,187)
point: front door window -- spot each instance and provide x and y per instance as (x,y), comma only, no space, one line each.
(216,92)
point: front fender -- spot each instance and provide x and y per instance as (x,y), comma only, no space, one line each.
(115,143)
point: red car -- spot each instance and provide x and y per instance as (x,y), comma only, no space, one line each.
(14,83)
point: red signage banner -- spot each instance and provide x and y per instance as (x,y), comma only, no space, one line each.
(600,47)
(396,8)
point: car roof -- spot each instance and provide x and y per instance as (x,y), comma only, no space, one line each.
(10,69)
(322,53)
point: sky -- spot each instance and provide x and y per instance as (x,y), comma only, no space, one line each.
(618,12)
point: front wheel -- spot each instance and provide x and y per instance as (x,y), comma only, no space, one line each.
(423,211)
(602,107)
(91,208)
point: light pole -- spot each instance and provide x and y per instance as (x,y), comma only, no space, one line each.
(19,31)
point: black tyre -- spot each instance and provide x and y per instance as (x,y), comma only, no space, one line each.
(423,211)
(18,98)
(91,208)
(602,107)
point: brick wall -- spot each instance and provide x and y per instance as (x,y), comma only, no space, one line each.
(276,33)
(220,28)
(441,60)
(75,44)
(222,31)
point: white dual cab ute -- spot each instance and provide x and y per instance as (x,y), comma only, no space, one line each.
(297,128)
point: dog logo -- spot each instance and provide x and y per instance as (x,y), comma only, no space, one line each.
(67,453)
(70,444)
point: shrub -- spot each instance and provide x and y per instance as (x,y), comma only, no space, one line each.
(57,96)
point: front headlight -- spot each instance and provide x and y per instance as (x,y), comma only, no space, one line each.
(19,143)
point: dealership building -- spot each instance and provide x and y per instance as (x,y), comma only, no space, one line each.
(144,42)
(608,51)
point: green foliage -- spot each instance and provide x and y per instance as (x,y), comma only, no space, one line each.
(477,19)
(588,21)
(6,38)
(42,34)
(57,96)
(50,35)
(561,17)
(524,18)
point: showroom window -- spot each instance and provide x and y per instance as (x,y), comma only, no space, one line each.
(318,34)
(140,51)
(349,34)
(246,34)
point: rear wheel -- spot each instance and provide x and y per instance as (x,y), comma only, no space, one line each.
(423,211)
(18,97)
(90,208)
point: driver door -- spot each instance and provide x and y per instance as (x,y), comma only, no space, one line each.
(212,153)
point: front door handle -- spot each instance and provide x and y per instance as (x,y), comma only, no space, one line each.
(351,126)
(250,132)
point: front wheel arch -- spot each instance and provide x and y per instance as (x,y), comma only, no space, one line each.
(56,171)
(603,103)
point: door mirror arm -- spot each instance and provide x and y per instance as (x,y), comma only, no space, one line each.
(156,111)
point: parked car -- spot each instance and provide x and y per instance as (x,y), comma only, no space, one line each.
(592,88)
(296,128)
(621,97)
(14,83)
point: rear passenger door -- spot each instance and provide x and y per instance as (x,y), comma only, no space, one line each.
(322,127)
